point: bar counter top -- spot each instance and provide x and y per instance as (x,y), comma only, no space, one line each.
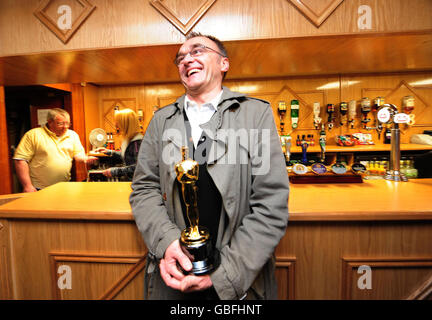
(333,230)
(370,200)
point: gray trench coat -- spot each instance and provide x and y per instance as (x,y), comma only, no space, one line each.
(248,168)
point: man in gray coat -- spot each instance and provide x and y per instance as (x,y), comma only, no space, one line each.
(243,190)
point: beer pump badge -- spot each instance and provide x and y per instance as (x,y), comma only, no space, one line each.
(339,168)
(401,118)
(358,168)
(319,168)
(299,168)
(384,115)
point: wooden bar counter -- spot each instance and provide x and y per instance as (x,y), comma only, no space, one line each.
(78,240)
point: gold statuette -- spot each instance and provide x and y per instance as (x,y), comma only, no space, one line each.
(195,239)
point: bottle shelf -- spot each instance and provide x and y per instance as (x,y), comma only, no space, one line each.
(362,148)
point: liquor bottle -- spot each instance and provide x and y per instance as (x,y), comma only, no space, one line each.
(294,113)
(343,110)
(411,171)
(365,109)
(378,102)
(330,120)
(387,136)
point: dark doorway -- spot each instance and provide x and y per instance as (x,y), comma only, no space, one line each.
(25,110)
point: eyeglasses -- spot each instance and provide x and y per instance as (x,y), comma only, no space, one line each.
(62,124)
(197,51)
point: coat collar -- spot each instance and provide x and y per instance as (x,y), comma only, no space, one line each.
(175,124)
(227,95)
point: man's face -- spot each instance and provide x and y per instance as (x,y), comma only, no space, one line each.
(204,72)
(59,125)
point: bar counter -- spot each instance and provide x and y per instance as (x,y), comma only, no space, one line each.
(333,230)
(370,200)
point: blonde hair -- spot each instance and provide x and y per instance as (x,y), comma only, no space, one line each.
(127,122)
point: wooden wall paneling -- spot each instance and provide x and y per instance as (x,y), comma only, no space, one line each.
(322,89)
(423,292)
(393,87)
(116,24)
(5,160)
(84,8)
(111,275)
(250,59)
(92,111)
(316,12)
(198,9)
(391,277)
(285,277)
(95,248)
(320,247)
(77,112)
(6,281)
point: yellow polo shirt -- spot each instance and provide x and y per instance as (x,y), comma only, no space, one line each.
(49,157)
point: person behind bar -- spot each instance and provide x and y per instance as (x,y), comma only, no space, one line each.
(127,122)
(243,202)
(44,155)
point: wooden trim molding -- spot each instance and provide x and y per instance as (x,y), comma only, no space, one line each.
(350,263)
(64,36)
(317,18)
(137,262)
(5,159)
(174,20)
(6,291)
(423,292)
(287,265)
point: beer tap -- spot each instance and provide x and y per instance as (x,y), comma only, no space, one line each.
(343,110)
(365,109)
(330,111)
(316,112)
(322,143)
(352,113)
(389,114)
(304,145)
(379,101)
(282,111)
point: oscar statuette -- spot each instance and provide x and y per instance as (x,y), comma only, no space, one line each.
(195,239)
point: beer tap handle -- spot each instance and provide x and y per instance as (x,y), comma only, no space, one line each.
(304,146)
(352,113)
(322,143)
(316,111)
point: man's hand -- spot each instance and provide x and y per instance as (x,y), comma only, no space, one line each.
(23,173)
(107,173)
(195,283)
(29,188)
(174,277)
(90,160)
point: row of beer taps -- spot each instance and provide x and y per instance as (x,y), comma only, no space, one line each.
(347,112)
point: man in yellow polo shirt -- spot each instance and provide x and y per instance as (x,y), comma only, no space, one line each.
(44,155)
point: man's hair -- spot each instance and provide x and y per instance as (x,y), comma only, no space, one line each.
(219,43)
(52,113)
